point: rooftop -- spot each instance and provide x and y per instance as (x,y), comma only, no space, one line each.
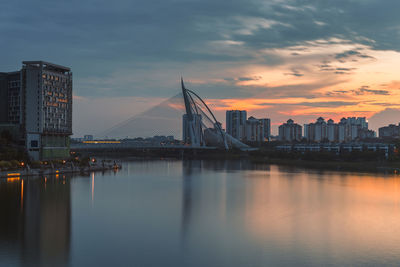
(47,65)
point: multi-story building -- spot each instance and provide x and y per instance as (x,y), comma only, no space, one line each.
(390,131)
(258,130)
(346,130)
(39,99)
(290,131)
(254,130)
(332,131)
(351,128)
(316,132)
(236,123)
(267,128)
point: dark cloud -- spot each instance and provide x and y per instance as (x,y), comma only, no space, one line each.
(295,73)
(351,54)
(347,54)
(363,90)
(326,104)
(97,38)
(254,78)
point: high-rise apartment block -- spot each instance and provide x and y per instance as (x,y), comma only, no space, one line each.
(236,123)
(251,129)
(39,102)
(290,131)
(390,131)
(258,130)
(346,130)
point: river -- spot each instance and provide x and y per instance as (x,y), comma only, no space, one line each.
(201,213)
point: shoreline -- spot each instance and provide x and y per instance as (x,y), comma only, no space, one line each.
(54,171)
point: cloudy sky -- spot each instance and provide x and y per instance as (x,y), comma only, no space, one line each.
(276,58)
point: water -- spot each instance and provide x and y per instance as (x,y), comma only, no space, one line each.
(201,213)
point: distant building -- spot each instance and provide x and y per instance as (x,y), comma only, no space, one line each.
(38,98)
(290,131)
(346,130)
(390,131)
(254,130)
(332,131)
(257,130)
(236,123)
(316,132)
(351,128)
(88,137)
(267,128)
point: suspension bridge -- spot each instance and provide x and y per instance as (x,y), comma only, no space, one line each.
(186,115)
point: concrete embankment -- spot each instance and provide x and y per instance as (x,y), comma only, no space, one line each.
(53,171)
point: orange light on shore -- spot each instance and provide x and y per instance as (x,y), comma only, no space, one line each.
(102,142)
(11,180)
(13,174)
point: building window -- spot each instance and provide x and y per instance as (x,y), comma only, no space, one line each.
(34,143)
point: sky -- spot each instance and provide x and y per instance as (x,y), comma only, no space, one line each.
(280,59)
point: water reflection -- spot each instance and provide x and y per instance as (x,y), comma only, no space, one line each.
(201,213)
(36,216)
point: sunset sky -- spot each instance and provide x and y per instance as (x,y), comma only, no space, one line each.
(281,59)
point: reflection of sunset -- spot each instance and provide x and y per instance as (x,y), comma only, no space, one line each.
(324,211)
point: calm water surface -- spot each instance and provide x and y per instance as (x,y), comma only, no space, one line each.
(201,213)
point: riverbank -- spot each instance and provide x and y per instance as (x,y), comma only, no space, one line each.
(25,172)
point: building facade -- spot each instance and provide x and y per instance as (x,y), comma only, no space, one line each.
(390,131)
(39,99)
(236,123)
(257,130)
(346,130)
(290,131)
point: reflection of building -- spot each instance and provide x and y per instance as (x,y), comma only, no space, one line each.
(236,123)
(390,131)
(36,217)
(38,98)
(290,131)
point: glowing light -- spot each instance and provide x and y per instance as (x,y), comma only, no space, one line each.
(102,142)
(11,180)
(22,194)
(14,174)
(92,188)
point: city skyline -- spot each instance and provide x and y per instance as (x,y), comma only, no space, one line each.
(281,59)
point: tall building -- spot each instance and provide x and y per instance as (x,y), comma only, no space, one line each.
(257,130)
(351,128)
(390,131)
(267,128)
(346,130)
(254,130)
(316,132)
(290,131)
(39,100)
(332,131)
(236,123)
